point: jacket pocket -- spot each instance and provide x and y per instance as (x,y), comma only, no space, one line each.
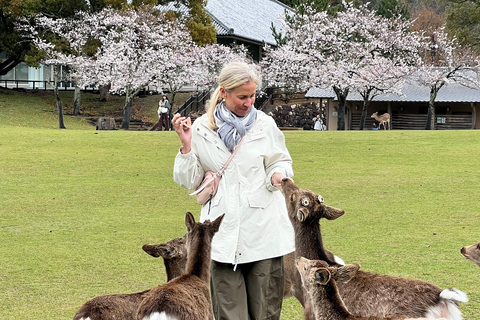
(259,198)
(215,200)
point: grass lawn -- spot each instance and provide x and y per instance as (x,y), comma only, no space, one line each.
(76,206)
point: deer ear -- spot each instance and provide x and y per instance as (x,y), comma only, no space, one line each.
(320,199)
(189,221)
(321,276)
(346,273)
(331,213)
(152,249)
(216,223)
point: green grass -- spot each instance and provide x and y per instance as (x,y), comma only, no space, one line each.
(76,206)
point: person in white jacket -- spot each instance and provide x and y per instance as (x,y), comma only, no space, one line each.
(247,252)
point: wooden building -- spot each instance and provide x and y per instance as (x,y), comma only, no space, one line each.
(456,108)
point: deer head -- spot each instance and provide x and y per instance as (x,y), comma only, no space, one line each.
(174,248)
(303,205)
(472,252)
(318,272)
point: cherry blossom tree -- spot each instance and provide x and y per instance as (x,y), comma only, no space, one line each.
(50,49)
(354,50)
(196,66)
(131,48)
(211,58)
(444,61)
(392,57)
(136,45)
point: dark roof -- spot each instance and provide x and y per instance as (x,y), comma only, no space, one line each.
(411,92)
(247,19)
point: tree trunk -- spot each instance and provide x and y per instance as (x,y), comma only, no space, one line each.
(127,111)
(170,112)
(104,92)
(431,108)
(366,103)
(341,97)
(77,101)
(363,118)
(61,124)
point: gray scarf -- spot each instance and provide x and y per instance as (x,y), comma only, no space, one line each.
(231,128)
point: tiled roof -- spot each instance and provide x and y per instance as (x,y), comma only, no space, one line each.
(412,92)
(248,19)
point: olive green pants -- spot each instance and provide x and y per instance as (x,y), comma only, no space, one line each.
(254,291)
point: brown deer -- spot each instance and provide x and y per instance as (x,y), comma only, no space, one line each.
(308,240)
(186,297)
(366,294)
(292,287)
(175,257)
(174,254)
(382,120)
(320,280)
(472,252)
(124,306)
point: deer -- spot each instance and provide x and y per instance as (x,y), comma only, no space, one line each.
(320,280)
(382,120)
(472,252)
(186,297)
(124,306)
(366,294)
(174,254)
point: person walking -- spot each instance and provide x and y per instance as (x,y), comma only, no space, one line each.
(163,113)
(247,277)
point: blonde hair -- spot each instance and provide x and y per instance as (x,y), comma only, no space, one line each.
(232,76)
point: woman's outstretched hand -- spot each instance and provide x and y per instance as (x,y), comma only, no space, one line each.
(182,126)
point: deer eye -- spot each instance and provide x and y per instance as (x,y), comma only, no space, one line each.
(305,202)
(320,199)
(478,246)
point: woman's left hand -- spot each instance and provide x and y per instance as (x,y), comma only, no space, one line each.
(277,179)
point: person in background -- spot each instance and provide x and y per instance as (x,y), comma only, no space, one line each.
(247,277)
(163,113)
(318,123)
(374,126)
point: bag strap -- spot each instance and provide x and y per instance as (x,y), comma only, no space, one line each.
(220,172)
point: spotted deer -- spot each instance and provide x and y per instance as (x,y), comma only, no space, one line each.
(366,294)
(472,252)
(186,297)
(124,306)
(382,120)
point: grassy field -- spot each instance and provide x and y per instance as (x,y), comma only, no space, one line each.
(76,206)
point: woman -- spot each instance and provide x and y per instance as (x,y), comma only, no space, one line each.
(247,265)
(163,113)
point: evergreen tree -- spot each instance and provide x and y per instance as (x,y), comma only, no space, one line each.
(463,22)
(200,23)
(390,8)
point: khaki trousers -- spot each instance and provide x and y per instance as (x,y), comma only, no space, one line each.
(254,291)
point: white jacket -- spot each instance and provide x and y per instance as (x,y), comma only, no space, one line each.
(256,224)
